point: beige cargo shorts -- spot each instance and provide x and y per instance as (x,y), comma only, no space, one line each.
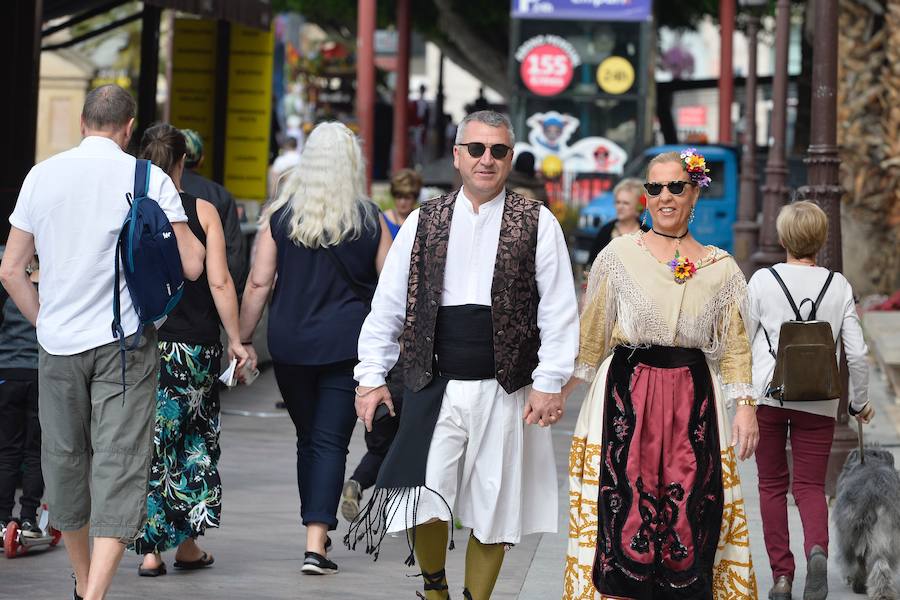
(96,447)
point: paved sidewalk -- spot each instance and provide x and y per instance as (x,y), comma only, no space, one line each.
(260,546)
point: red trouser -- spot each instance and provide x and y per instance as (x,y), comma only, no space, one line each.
(810,446)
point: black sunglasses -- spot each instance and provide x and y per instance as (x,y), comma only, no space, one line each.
(676,187)
(476,149)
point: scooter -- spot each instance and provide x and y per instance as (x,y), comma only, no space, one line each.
(15,544)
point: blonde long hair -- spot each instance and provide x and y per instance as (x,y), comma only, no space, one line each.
(325,191)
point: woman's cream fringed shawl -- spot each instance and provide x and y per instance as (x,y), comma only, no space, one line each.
(633,300)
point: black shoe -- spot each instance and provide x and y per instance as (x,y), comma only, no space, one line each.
(30,529)
(316,564)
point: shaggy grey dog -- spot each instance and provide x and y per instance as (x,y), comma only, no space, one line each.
(867,519)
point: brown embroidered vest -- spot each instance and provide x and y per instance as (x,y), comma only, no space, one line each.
(514,294)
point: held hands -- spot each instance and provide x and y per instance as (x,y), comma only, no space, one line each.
(242,353)
(745,431)
(544,409)
(368,399)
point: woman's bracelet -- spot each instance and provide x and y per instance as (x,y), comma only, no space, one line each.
(366,393)
(747,401)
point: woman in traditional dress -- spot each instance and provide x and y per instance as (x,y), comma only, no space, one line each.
(185,495)
(656,508)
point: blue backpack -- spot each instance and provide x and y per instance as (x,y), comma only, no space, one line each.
(148,253)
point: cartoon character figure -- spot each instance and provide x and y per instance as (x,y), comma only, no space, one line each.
(551,131)
(549,136)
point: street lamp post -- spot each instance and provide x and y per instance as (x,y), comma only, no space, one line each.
(365,81)
(823,187)
(746,229)
(776,192)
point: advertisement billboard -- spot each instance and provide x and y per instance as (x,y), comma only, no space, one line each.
(583,10)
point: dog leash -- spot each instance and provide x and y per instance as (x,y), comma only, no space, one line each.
(862,455)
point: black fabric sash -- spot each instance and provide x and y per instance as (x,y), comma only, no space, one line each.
(464,350)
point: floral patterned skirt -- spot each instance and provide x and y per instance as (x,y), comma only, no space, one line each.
(185,495)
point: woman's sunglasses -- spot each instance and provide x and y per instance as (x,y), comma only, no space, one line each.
(675,187)
(476,149)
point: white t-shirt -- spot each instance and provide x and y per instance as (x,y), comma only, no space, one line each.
(769,308)
(74,205)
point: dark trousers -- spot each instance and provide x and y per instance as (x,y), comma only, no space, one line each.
(320,401)
(20,446)
(811,437)
(378,442)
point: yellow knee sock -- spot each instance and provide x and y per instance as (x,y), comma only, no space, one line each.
(431,552)
(483,562)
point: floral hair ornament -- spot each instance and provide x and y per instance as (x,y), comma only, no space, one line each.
(695,165)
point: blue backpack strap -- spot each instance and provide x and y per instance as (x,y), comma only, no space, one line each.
(141,178)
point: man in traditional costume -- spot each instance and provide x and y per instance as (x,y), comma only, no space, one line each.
(478,288)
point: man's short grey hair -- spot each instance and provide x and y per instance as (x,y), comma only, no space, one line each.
(108,107)
(488,117)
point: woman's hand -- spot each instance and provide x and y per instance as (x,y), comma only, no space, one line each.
(251,355)
(745,431)
(240,352)
(866,414)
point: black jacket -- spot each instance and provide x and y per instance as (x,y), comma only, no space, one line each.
(201,187)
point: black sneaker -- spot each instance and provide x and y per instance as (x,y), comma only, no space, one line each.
(316,564)
(30,529)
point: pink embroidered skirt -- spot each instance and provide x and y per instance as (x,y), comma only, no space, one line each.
(661,496)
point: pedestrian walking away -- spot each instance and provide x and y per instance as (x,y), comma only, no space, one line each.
(20,429)
(477,300)
(406,184)
(321,246)
(809,424)
(185,495)
(657,509)
(96,435)
(197,185)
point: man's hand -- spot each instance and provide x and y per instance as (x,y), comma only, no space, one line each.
(866,414)
(368,399)
(745,431)
(543,408)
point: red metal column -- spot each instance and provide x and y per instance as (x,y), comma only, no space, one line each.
(401,90)
(726,70)
(365,82)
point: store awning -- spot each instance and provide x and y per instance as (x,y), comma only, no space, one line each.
(252,13)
